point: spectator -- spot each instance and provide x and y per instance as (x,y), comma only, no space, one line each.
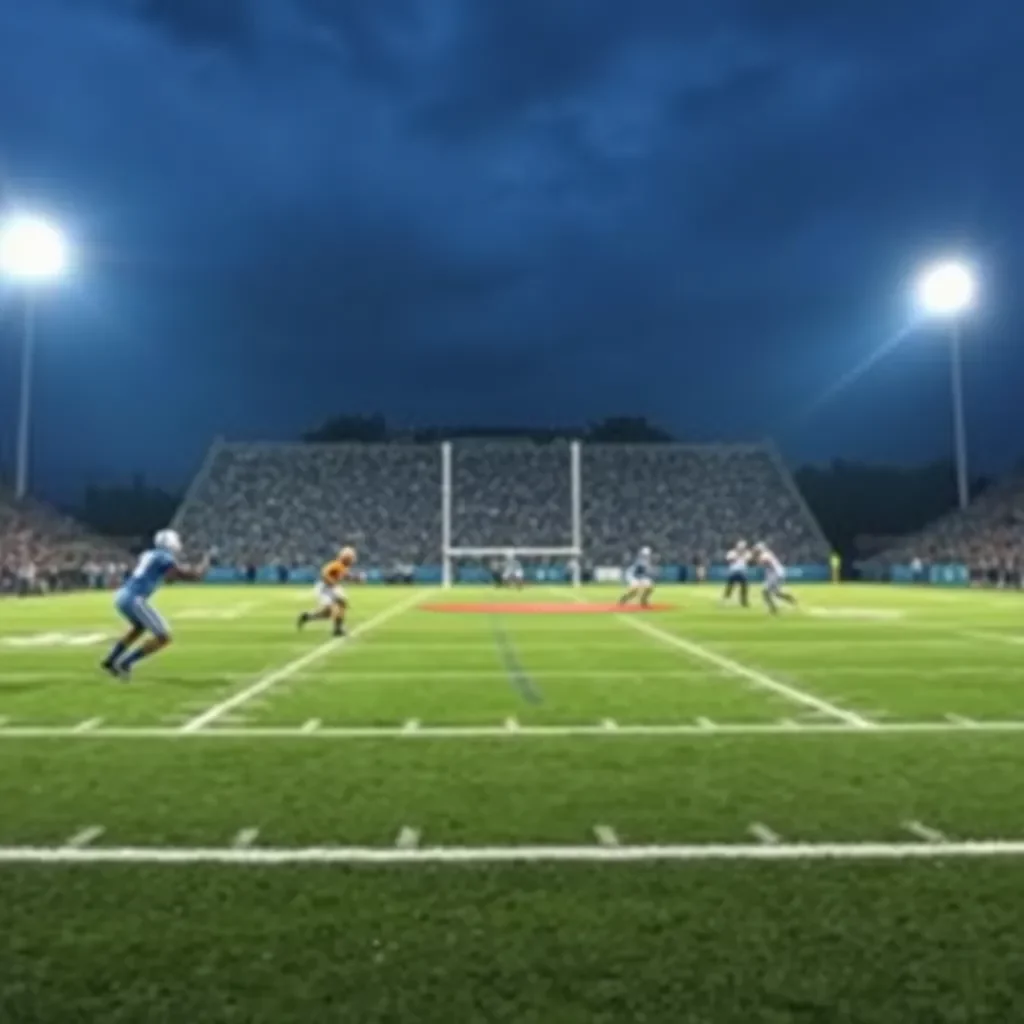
(41,550)
(300,502)
(985,537)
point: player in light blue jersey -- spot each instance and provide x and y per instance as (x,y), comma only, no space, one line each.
(640,579)
(156,566)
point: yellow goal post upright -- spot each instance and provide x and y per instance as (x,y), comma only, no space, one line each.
(573,552)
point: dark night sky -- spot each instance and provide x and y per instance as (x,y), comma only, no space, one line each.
(504,211)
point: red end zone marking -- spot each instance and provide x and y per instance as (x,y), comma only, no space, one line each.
(524,608)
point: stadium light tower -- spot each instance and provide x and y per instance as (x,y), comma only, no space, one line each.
(33,252)
(947,291)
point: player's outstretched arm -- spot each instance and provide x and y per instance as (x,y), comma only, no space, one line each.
(190,573)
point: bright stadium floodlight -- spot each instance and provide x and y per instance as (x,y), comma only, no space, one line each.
(946,291)
(33,251)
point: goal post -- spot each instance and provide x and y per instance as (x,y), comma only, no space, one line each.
(572,553)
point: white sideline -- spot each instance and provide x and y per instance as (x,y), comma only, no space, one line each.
(264,683)
(758,678)
(263,856)
(503,732)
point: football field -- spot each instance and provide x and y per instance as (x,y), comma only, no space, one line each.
(527,811)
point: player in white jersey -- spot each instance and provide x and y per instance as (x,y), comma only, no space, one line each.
(640,579)
(774,578)
(737,562)
(512,571)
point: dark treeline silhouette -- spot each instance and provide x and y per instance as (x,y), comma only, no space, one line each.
(130,512)
(374,429)
(855,501)
(851,500)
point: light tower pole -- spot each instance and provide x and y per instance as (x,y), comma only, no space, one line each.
(32,252)
(947,291)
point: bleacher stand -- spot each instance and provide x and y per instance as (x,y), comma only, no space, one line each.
(294,504)
(691,503)
(42,551)
(985,537)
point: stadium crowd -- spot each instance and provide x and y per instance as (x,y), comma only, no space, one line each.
(292,504)
(42,551)
(985,537)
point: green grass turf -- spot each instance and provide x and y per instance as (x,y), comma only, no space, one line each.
(800,941)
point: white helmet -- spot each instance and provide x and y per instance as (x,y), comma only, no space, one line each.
(168,540)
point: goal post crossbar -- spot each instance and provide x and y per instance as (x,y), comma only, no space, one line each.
(572,555)
(513,549)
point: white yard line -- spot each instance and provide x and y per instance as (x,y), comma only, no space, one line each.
(283,856)
(740,670)
(86,837)
(266,682)
(929,835)
(763,834)
(511,729)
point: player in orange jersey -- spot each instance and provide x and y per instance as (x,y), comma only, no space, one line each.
(332,602)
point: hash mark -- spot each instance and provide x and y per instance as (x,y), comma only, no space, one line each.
(245,838)
(929,835)
(763,834)
(88,725)
(411,725)
(408,838)
(312,725)
(606,835)
(82,839)
(610,724)
(960,720)
(512,724)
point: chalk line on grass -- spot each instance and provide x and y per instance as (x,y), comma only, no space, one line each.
(763,834)
(272,679)
(245,838)
(408,838)
(606,835)
(742,671)
(263,856)
(922,831)
(510,729)
(84,838)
